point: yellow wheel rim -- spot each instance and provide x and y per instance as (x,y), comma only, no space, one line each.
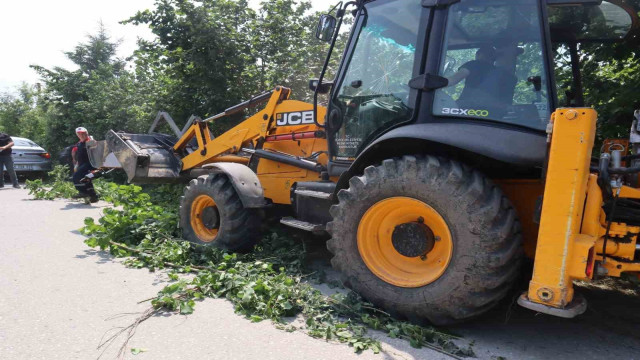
(378,248)
(202,231)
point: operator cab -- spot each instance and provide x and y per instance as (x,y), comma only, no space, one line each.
(494,60)
(503,57)
(470,62)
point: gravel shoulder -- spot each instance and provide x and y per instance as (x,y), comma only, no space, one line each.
(58,298)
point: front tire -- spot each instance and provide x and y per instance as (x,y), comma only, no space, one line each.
(426,238)
(212,214)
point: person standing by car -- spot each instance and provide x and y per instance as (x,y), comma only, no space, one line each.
(83,166)
(6,160)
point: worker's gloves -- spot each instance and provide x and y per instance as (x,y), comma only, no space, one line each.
(87,178)
(95,174)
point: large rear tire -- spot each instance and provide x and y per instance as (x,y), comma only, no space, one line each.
(426,238)
(211,214)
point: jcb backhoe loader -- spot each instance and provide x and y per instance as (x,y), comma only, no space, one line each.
(441,159)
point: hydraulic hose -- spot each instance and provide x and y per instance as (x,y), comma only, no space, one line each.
(604,180)
(617,171)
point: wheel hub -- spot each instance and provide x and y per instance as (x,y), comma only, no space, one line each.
(404,242)
(205,218)
(413,239)
(210,217)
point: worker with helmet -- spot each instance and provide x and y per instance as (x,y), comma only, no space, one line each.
(82,166)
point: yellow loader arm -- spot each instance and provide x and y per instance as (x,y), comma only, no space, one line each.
(282,134)
(250,130)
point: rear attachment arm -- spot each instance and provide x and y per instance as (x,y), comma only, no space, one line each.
(582,212)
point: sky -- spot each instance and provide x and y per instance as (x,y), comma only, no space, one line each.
(40,31)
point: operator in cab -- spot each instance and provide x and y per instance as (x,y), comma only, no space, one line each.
(489,81)
(474,72)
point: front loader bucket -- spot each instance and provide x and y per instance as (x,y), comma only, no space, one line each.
(145,158)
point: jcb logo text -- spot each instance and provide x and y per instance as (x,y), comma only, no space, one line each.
(294,118)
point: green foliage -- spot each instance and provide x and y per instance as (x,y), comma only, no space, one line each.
(24,114)
(59,187)
(134,219)
(206,56)
(136,351)
(267,284)
(210,55)
(99,95)
(611,81)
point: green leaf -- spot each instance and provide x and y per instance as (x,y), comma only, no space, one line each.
(91,242)
(136,351)
(186,307)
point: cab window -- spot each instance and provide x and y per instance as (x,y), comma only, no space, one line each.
(374,93)
(494,60)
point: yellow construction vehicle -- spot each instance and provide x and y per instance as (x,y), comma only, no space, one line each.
(441,159)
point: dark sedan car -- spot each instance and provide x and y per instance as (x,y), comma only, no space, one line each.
(29,159)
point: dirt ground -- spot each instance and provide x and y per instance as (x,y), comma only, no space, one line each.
(58,298)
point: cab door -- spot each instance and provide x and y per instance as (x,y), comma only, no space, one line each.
(372,92)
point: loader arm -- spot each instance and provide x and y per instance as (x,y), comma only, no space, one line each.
(226,145)
(282,135)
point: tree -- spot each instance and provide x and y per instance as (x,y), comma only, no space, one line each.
(212,54)
(611,80)
(24,114)
(100,95)
(198,59)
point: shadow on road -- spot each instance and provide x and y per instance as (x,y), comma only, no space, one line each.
(81,205)
(102,256)
(612,317)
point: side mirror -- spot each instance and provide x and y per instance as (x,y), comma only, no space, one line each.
(324,88)
(326,28)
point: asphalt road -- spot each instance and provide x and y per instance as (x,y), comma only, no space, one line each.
(58,298)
